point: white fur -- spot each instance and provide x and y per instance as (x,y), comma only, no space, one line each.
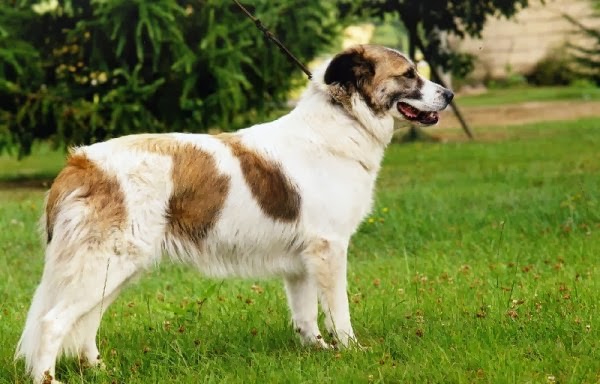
(331,155)
(432,97)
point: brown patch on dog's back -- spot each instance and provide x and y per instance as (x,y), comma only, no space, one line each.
(92,185)
(275,194)
(199,190)
(160,144)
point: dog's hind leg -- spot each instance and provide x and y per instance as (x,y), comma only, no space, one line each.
(77,291)
(28,343)
(302,298)
(81,341)
(327,260)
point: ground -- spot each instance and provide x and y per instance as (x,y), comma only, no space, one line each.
(515,114)
(478,264)
(502,108)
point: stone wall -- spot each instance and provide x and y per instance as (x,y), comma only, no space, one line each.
(516,45)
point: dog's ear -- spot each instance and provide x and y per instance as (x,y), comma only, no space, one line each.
(350,69)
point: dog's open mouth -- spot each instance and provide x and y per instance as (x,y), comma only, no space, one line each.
(413,114)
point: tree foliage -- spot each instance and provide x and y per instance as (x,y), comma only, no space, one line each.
(587,57)
(425,19)
(81,71)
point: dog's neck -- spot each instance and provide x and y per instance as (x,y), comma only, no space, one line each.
(349,128)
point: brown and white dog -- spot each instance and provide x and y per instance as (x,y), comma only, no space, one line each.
(281,198)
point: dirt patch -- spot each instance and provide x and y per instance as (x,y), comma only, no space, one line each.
(482,118)
(530,112)
(523,113)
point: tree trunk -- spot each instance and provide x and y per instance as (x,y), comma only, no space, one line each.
(414,133)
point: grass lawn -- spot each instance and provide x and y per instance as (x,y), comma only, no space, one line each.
(43,165)
(480,263)
(528,94)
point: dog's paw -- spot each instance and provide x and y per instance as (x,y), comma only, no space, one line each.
(47,378)
(95,363)
(344,341)
(99,365)
(316,342)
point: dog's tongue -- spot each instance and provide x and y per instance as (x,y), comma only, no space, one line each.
(412,113)
(408,111)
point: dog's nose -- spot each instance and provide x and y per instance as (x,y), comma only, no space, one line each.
(448,95)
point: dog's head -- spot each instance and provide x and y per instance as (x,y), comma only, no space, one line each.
(388,82)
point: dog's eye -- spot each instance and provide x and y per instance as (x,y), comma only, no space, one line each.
(410,74)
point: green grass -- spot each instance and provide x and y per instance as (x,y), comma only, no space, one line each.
(44,164)
(527,94)
(480,263)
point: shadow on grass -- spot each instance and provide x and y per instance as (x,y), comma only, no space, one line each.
(26,182)
(36,171)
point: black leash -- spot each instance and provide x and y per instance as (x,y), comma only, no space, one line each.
(274,39)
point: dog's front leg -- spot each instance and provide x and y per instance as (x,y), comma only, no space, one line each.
(328,263)
(302,297)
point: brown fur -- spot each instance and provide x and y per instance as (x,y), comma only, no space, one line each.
(391,76)
(153,143)
(96,188)
(199,190)
(388,64)
(366,69)
(275,194)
